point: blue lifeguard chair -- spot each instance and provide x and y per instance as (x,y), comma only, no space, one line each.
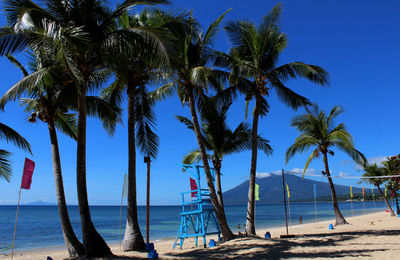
(197,212)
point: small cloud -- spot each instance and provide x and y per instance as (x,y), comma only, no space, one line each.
(300,171)
(263,174)
(343,174)
(279,172)
(378,160)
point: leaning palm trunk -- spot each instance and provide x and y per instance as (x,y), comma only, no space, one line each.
(223,224)
(386,201)
(340,220)
(74,246)
(94,244)
(250,227)
(133,239)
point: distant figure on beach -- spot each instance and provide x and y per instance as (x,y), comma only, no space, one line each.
(301,220)
(238,226)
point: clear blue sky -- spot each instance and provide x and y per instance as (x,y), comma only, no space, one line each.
(357,42)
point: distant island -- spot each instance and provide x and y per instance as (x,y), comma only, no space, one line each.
(40,203)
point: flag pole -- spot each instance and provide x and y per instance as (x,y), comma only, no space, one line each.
(288,202)
(373,197)
(363,200)
(26,181)
(315,203)
(284,200)
(15,226)
(120,220)
(351,201)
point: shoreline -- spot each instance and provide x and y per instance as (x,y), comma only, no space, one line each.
(164,246)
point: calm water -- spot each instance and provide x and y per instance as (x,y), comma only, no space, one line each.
(39,226)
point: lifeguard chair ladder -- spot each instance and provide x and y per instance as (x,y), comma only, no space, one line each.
(198,213)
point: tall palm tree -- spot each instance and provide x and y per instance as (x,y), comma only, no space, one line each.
(318,129)
(143,63)
(85,61)
(49,101)
(254,59)
(192,57)
(375,171)
(10,136)
(219,139)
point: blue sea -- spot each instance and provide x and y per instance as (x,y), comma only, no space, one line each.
(39,226)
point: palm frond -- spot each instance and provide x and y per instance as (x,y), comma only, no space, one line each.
(302,143)
(14,61)
(186,121)
(294,70)
(147,139)
(5,165)
(213,29)
(108,113)
(67,124)
(11,136)
(21,86)
(193,157)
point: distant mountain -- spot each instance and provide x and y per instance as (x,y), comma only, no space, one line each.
(300,190)
(40,203)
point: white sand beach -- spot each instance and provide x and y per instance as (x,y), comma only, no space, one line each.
(372,236)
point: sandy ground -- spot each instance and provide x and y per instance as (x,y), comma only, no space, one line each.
(373,236)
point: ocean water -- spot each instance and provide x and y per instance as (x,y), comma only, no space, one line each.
(39,226)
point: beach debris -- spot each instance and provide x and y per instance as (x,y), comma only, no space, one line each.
(152,254)
(267,235)
(372,223)
(330,227)
(149,247)
(212,243)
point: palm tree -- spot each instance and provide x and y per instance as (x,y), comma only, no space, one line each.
(219,139)
(375,171)
(254,59)
(191,58)
(134,70)
(317,129)
(85,60)
(10,136)
(392,167)
(49,101)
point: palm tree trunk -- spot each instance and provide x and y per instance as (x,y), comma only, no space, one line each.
(340,220)
(386,201)
(250,227)
(217,167)
(219,211)
(74,246)
(94,244)
(133,239)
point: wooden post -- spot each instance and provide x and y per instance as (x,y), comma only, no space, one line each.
(284,200)
(147,160)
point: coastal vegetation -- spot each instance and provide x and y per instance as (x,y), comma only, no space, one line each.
(88,59)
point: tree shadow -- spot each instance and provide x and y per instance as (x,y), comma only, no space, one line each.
(280,248)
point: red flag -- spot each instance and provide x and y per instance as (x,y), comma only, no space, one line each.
(27,175)
(363,191)
(193,186)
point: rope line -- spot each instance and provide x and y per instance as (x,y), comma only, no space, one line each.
(344,177)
